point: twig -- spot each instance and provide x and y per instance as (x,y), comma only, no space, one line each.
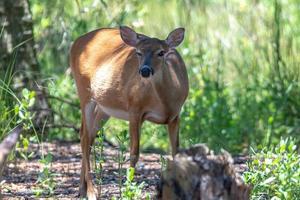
(63,126)
(62,100)
(62,118)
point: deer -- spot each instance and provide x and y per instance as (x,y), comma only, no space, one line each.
(130,76)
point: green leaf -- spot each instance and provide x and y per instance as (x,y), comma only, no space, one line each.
(268,180)
(25,93)
(130,174)
(25,143)
(31,102)
(49,158)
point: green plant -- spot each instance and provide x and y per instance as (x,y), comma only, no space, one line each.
(163,163)
(131,189)
(99,156)
(16,110)
(46,183)
(122,139)
(275,172)
(25,116)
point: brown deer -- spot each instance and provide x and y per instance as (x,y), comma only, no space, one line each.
(130,76)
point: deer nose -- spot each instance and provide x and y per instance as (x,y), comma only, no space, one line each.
(145,71)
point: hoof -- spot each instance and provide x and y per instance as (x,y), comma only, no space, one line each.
(92,196)
(92,193)
(133,160)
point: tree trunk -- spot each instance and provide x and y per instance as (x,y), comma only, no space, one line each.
(18,61)
(198,174)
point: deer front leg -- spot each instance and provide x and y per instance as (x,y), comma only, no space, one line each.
(90,125)
(173,129)
(134,129)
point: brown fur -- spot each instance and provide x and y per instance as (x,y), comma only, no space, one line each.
(106,73)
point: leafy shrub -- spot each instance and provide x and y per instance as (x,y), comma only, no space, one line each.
(14,109)
(275,173)
(131,189)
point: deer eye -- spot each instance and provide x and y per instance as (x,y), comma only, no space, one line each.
(161,53)
(138,53)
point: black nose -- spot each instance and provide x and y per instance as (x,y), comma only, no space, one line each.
(145,71)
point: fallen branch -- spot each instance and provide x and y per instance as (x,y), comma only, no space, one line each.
(76,129)
(66,124)
(8,144)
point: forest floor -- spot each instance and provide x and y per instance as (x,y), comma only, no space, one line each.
(20,177)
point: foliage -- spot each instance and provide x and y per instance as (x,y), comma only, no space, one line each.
(122,139)
(64,103)
(99,159)
(45,182)
(274,173)
(15,111)
(131,190)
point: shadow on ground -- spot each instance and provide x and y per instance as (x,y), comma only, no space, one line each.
(20,176)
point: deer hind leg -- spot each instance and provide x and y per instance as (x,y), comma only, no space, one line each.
(173,129)
(89,127)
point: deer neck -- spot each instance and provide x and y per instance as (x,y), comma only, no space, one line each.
(164,85)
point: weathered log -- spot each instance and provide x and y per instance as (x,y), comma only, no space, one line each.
(197,173)
(8,144)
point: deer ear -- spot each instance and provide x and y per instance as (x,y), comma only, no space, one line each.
(175,37)
(129,36)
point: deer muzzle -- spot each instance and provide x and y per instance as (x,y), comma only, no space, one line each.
(145,71)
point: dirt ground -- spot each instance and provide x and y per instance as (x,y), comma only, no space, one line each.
(20,177)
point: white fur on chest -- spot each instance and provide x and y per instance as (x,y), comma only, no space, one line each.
(117,113)
(122,114)
(154,115)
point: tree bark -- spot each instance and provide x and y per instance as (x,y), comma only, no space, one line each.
(18,61)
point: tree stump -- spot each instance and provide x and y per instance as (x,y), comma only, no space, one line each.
(196,173)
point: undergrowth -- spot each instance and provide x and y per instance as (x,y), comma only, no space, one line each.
(274,172)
